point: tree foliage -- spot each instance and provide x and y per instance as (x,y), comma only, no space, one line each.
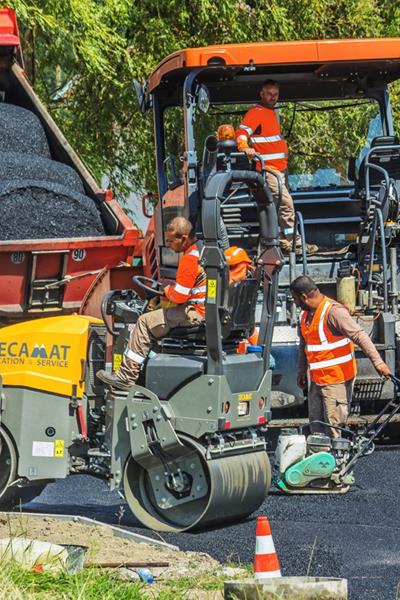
(99,45)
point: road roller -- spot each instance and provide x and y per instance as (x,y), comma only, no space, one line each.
(186,445)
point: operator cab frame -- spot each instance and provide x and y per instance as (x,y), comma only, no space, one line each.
(327,70)
(324,74)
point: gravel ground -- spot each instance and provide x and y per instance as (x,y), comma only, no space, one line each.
(102,546)
(356,535)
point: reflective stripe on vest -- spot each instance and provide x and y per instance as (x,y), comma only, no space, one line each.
(329,363)
(330,357)
(261,127)
(259,139)
(182,290)
(274,156)
(249,131)
(327,346)
(199,290)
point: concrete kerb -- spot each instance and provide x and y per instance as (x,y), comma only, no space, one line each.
(117,531)
(287,588)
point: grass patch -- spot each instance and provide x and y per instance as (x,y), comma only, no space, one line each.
(94,584)
(20,584)
(178,588)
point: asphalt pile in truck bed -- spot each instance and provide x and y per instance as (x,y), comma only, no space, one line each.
(40,198)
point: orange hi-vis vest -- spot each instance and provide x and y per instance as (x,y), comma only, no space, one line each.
(330,357)
(261,127)
(190,285)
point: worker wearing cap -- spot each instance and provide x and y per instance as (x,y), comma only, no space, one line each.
(188,293)
(260,126)
(327,337)
(239,262)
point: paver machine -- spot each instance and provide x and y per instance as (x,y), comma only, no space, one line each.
(187,443)
(344,174)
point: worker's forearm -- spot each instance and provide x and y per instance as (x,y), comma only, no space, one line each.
(362,340)
(173,296)
(342,323)
(302,362)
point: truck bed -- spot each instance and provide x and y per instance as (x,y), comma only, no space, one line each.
(50,271)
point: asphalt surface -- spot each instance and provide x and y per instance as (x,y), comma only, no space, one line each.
(356,535)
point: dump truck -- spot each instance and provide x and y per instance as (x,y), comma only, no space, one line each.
(344,174)
(61,234)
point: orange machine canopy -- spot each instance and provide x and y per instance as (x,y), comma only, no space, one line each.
(367,62)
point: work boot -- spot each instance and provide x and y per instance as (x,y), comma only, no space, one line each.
(286,247)
(311,248)
(112,380)
(124,377)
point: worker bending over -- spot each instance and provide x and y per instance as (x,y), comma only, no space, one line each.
(188,293)
(260,126)
(327,333)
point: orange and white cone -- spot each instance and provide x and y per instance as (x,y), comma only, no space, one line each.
(266,561)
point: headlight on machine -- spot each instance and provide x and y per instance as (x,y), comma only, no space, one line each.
(243,408)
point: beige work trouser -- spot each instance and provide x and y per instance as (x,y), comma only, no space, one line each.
(329,403)
(284,204)
(150,326)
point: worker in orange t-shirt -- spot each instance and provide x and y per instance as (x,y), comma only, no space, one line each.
(188,293)
(260,126)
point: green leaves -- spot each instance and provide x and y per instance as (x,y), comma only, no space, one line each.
(101,44)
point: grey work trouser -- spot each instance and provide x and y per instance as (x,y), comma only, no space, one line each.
(153,325)
(329,403)
(286,216)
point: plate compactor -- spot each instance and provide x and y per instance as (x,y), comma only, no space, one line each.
(319,464)
(186,445)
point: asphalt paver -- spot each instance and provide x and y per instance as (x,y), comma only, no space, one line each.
(354,535)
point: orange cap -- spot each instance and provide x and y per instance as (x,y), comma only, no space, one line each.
(235,255)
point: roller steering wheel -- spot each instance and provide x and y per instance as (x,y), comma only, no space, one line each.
(150,286)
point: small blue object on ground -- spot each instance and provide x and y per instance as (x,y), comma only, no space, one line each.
(145,574)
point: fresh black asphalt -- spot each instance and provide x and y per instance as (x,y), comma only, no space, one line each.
(40,198)
(356,535)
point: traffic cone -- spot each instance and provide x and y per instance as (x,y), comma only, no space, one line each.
(266,561)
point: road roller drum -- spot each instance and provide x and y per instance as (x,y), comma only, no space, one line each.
(219,489)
